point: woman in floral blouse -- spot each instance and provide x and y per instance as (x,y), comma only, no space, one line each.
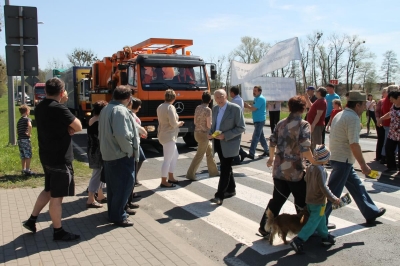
(289,144)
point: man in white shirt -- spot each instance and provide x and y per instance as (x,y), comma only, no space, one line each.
(234,93)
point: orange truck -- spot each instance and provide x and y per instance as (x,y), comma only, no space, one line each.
(150,68)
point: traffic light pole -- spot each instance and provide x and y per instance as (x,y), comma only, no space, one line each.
(11,106)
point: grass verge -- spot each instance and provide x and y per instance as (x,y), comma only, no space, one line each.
(10,162)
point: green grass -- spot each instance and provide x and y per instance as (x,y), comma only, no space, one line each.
(10,162)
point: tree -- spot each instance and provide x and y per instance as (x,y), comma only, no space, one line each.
(356,53)
(251,50)
(55,63)
(42,75)
(3,77)
(367,76)
(82,57)
(390,66)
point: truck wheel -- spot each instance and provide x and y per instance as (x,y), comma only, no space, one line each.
(189,139)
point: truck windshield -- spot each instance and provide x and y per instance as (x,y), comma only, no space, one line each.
(39,90)
(160,78)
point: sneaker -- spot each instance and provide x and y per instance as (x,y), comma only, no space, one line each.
(133,205)
(380,213)
(130,211)
(124,223)
(331,226)
(297,245)
(31,226)
(265,154)
(329,241)
(29,172)
(65,236)
(217,201)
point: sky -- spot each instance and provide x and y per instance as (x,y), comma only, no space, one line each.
(214,26)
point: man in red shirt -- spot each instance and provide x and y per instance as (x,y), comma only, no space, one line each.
(316,117)
(386,105)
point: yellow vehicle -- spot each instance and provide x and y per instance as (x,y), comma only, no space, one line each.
(77,85)
(150,68)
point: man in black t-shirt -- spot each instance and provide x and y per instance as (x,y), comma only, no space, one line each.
(55,126)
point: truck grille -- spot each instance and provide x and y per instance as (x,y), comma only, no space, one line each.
(183,107)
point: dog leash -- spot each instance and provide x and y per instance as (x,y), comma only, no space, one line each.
(300,208)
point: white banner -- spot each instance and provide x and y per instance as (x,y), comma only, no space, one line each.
(277,57)
(273,89)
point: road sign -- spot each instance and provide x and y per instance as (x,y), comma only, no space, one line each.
(30,26)
(334,81)
(31,64)
(31,80)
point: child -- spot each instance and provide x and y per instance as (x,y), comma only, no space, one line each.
(337,107)
(317,193)
(24,129)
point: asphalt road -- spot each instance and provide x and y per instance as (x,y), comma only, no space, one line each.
(228,234)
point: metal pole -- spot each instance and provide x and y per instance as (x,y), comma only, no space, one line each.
(21,52)
(11,106)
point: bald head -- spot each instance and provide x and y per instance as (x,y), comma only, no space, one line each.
(220,97)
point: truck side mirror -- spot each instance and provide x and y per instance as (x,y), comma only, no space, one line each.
(213,72)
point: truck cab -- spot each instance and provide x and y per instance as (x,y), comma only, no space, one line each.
(150,68)
(38,93)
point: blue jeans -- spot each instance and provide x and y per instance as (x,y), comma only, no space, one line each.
(344,175)
(120,178)
(258,136)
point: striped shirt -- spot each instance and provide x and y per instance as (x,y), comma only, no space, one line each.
(22,127)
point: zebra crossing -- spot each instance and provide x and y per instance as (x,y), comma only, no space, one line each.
(251,193)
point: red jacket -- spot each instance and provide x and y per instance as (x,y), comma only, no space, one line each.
(386,105)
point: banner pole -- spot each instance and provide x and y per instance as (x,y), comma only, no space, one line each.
(304,73)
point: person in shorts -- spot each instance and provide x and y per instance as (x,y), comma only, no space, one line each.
(55,126)
(24,130)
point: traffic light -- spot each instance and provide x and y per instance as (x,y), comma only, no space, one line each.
(56,73)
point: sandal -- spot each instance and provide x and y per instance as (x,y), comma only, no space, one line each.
(173,182)
(94,204)
(104,200)
(164,186)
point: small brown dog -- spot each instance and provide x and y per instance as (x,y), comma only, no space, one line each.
(285,223)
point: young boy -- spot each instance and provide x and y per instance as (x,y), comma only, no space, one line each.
(317,193)
(24,129)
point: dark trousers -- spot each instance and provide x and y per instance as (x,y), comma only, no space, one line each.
(298,189)
(226,181)
(241,153)
(390,147)
(371,115)
(323,131)
(380,131)
(274,119)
